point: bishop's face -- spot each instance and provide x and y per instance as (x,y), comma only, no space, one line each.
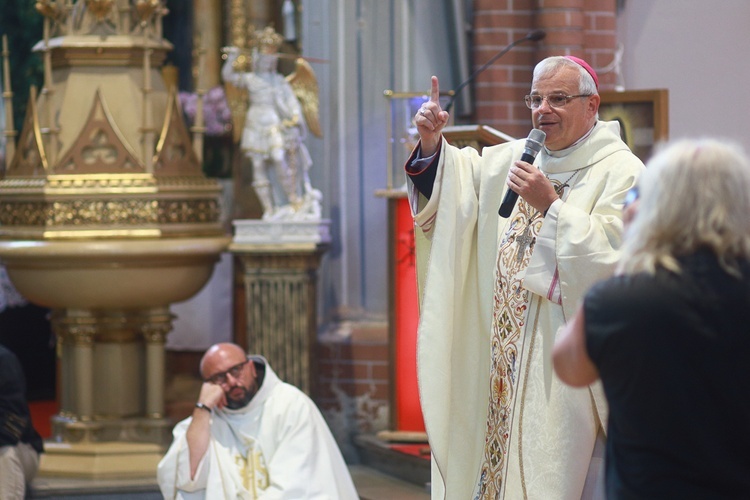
(566,124)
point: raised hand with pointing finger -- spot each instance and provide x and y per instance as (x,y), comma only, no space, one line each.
(430,121)
(492,288)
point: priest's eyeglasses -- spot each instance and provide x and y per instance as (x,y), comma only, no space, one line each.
(554,100)
(221,378)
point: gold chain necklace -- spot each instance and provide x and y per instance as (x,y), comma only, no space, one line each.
(525,238)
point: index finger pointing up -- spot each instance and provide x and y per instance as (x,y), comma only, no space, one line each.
(435,91)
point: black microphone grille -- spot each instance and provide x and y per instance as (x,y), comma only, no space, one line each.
(536,35)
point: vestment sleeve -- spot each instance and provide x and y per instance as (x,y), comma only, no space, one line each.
(582,238)
(306,461)
(173,472)
(421,171)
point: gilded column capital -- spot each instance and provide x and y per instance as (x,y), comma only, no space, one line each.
(78,335)
(155,333)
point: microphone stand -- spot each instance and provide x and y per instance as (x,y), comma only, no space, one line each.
(535,36)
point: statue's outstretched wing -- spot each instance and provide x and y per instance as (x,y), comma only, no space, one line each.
(305,86)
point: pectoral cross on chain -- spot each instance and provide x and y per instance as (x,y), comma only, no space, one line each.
(524,240)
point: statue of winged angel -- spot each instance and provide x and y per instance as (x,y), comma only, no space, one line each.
(279,112)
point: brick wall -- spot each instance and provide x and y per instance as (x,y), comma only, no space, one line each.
(353,363)
(352,389)
(584,28)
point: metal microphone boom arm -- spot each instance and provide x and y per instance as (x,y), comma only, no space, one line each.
(534,36)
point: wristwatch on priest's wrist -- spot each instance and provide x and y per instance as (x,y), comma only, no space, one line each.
(203,407)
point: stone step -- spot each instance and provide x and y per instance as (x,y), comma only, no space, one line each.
(371,484)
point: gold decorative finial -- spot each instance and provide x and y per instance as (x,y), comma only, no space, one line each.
(145,9)
(48,9)
(99,8)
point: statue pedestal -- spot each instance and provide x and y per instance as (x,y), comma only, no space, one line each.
(276,293)
(295,233)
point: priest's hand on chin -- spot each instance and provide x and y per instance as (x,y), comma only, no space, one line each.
(212,396)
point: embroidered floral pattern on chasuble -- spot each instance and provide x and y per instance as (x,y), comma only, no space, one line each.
(511,303)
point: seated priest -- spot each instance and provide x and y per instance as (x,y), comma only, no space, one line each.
(252,436)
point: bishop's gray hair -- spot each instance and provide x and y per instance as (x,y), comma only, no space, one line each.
(551,65)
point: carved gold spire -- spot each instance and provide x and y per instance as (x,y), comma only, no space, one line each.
(10,132)
(30,159)
(174,152)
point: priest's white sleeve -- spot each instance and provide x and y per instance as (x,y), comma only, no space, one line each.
(173,472)
(579,242)
(305,461)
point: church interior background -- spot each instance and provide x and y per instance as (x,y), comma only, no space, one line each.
(359,312)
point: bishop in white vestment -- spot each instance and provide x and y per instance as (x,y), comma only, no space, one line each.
(495,291)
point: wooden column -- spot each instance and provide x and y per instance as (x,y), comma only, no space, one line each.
(277,306)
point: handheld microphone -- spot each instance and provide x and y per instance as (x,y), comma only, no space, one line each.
(533,145)
(533,36)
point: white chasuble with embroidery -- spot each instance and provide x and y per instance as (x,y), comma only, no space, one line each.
(494,293)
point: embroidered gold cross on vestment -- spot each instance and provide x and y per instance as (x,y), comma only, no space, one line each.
(524,240)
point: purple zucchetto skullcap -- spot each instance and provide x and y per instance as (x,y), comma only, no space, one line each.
(587,67)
